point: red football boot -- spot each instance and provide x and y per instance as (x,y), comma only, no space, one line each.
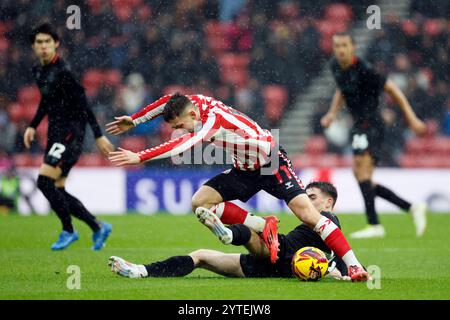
(270,237)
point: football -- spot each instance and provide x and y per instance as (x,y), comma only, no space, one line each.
(309,264)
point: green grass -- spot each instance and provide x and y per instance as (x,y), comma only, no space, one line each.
(410,268)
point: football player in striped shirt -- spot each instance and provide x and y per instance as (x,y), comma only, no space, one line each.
(253,150)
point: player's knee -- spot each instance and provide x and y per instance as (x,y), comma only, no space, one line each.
(198,256)
(199,202)
(45,184)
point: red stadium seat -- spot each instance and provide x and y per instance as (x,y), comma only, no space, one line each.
(91,160)
(92,79)
(326,160)
(433,27)
(339,11)
(22,160)
(16,112)
(112,77)
(133,143)
(233,61)
(29,96)
(275,100)
(238,77)
(410,28)
(316,145)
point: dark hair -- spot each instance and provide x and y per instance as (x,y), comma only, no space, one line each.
(345,34)
(175,106)
(326,188)
(43,28)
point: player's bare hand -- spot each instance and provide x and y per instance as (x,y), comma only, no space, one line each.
(104,145)
(28,137)
(418,126)
(327,119)
(121,125)
(123,157)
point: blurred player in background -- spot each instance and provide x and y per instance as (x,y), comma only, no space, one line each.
(64,102)
(207,119)
(255,264)
(359,88)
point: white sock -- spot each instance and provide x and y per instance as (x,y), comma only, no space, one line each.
(255,223)
(142,270)
(350,259)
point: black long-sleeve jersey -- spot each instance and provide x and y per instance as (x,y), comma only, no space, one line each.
(361,86)
(64,101)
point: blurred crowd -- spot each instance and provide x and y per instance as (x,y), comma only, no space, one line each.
(415,54)
(129,52)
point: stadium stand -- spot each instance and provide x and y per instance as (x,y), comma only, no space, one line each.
(268,52)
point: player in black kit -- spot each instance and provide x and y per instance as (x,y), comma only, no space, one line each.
(359,88)
(64,101)
(255,264)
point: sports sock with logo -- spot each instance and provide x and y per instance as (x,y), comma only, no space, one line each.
(335,240)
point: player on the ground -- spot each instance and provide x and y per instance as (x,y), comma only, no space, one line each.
(64,101)
(251,147)
(256,263)
(359,88)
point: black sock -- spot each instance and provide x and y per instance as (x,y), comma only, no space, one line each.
(77,209)
(390,196)
(368,193)
(57,201)
(178,266)
(241,234)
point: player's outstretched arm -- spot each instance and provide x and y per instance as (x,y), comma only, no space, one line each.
(120,125)
(413,121)
(124,157)
(336,105)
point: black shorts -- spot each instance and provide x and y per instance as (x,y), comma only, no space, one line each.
(369,140)
(7,202)
(256,267)
(63,152)
(235,184)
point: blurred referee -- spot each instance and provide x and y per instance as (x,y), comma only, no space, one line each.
(64,101)
(359,88)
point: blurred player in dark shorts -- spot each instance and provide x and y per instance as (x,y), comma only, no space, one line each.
(257,263)
(359,88)
(64,101)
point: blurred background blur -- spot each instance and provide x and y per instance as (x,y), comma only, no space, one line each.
(265,58)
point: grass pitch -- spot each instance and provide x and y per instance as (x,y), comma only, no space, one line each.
(411,268)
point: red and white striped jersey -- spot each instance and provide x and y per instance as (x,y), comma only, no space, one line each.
(225,127)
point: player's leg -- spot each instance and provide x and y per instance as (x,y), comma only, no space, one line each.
(216,194)
(69,158)
(363,168)
(76,208)
(46,183)
(418,210)
(226,264)
(180,266)
(333,237)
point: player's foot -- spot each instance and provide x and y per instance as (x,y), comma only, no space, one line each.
(126,269)
(357,274)
(210,220)
(419,215)
(99,237)
(64,240)
(270,237)
(371,231)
